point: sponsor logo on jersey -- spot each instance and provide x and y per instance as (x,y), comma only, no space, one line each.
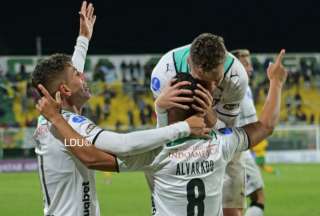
(41,131)
(78,119)
(90,128)
(226,131)
(153,206)
(155,84)
(231,106)
(194,152)
(86,198)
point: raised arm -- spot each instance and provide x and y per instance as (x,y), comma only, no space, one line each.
(269,117)
(87,21)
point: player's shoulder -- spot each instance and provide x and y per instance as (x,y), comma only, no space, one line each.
(234,70)
(75,120)
(235,82)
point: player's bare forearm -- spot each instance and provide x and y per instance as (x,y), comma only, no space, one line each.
(271,109)
(211,118)
(90,156)
(269,117)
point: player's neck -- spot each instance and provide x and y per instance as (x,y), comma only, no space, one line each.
(71,108)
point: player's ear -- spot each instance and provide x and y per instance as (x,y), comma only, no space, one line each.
(65,90)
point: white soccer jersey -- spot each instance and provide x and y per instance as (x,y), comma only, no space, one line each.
(186,176)
(248,112)
(227,96)
(68,186)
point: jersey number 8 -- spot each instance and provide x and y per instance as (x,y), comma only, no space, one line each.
(195,199)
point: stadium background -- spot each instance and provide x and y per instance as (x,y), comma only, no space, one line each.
(121,84)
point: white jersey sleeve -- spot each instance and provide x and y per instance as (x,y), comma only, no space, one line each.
(163,72)
(234,140)
(85,127)
(140,141)
(80,53)
(230,93)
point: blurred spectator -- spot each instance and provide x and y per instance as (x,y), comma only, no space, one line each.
(300,115)
(23,75)
(130,119)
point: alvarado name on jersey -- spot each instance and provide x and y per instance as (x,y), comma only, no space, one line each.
(195,168)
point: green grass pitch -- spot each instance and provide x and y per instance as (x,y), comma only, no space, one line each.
(295,191)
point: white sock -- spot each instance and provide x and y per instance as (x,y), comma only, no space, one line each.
(254,211)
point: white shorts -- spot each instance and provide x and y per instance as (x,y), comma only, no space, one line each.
(254,179)
(234,184)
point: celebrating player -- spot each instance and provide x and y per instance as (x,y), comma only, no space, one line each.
(254,181)
(186,176)
(67,184)
(208,60)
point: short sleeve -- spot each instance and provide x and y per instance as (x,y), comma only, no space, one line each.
(233,140)
(161,75)
(85,127)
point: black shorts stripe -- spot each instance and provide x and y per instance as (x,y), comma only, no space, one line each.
(44,181)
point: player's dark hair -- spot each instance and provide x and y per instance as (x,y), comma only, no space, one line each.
(208,51)
(181,114)
(48,70)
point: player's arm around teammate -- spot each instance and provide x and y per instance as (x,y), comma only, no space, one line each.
(115,143)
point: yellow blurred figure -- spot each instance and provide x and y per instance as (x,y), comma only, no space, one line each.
(260,155)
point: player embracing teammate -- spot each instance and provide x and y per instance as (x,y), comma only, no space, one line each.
(186,175)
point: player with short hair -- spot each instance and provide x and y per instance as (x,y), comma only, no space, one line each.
(67,183)
(186,176)
(208,60)
(254,181)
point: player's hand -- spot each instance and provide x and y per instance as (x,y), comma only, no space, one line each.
(204,100)
(197,126)
(87,20)
(48,107)
(276,71)
(171,97)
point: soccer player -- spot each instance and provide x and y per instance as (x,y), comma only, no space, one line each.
(67,183)
(186,176)
(254,182)
(208,60)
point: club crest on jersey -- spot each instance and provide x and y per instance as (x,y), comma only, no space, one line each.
(155,84)
(78,119)
(225,131)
